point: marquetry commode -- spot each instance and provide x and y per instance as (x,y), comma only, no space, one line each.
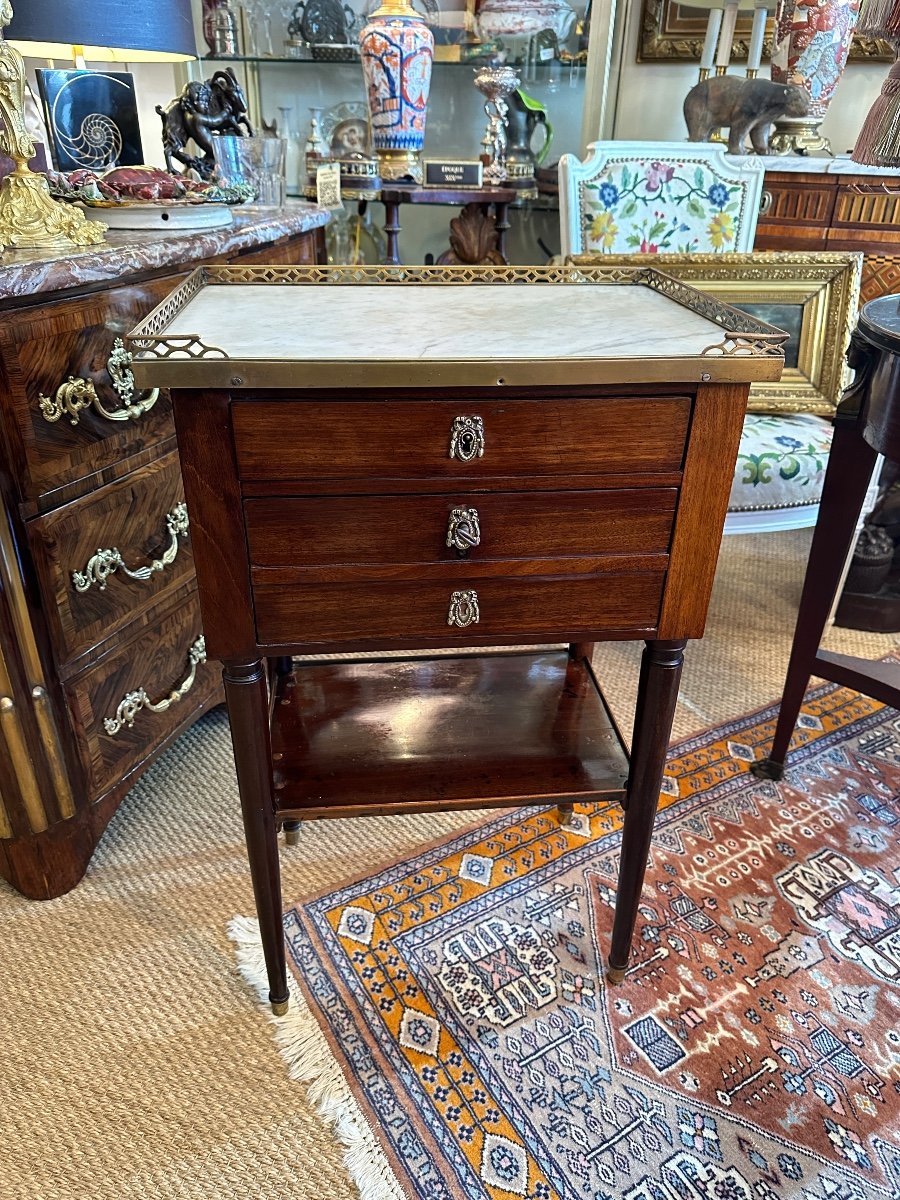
(102,661)
(416,459)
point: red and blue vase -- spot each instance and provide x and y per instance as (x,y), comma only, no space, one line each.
(397,49)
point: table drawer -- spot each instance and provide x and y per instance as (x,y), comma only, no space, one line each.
(106,558)
(464,439)
(551,608)
(310,531)
(50,356)
(165,667)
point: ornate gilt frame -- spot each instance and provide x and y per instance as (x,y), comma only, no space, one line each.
(668,36)
(827,286)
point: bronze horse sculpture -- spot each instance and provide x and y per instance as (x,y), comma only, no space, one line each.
(204,108)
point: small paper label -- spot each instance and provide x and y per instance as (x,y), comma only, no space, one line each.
(328,185)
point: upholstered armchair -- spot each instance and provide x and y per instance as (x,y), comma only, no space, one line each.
(682,198)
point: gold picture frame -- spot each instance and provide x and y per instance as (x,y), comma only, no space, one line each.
(815,294)
(673,32)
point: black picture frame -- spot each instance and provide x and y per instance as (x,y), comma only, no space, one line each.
(92,118)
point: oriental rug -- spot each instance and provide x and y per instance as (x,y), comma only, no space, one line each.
(458,1030)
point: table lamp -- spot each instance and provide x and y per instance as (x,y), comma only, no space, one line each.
(102,31)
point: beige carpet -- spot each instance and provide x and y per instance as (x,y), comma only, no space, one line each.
(133,1062)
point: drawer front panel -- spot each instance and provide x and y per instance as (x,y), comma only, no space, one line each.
(61,434)
(145,671)
(310,531)
(106,558)
(465,439)
(507,607)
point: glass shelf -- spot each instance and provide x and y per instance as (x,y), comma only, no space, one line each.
(262,60)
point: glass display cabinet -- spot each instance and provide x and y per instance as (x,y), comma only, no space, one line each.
(559,52)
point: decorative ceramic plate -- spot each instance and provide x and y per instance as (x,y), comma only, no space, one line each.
(345,128)
(170,215)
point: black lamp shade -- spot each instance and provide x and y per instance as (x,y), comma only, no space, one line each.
(104,30)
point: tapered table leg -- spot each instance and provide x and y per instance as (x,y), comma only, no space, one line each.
(248,712)
(392,233)
(850,464)
(501,216)
(660,675)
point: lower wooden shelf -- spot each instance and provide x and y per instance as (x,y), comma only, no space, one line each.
(462,731)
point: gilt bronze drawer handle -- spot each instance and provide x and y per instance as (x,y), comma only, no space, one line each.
(463,609)
(75,395)
(131,704)
(467,438)
(102,564)
(463,530)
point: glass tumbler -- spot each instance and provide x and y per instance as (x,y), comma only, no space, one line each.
(258,161)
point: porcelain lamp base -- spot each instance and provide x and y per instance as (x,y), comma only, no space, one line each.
(798,135)
(398,165)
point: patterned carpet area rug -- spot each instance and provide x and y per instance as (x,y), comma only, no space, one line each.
(456,1027)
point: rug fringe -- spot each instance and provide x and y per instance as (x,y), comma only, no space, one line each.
(309,1060)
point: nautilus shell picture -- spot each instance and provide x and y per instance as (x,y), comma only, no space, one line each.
(92,119)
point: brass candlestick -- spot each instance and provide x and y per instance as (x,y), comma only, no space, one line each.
(30,219)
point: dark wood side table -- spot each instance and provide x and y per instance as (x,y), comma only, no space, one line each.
(867,423)
(393,198)
(467,484)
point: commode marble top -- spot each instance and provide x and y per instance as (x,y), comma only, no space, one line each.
(842,164)
(25,273)
(301,335)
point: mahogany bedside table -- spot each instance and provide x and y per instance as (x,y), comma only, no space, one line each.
(422,458)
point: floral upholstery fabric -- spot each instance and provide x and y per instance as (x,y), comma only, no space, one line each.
(781,461)
(646,206)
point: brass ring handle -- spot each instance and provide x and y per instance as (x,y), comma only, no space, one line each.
(132,703)
(467,438)
(463,609)
(463,530)
(75,395)
(102,564)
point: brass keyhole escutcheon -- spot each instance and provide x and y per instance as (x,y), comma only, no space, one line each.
(463,609)
(467,438)
(463,530)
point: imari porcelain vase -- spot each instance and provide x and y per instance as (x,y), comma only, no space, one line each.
(397,48)
(810,48)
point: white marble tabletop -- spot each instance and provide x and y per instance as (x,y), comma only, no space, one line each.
(377,322)
(436,331)
(26,273)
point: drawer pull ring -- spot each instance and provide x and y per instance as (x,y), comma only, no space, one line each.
(467,438)
(75,395)
(463,609)
(463,530)
(102,564)
(131,704)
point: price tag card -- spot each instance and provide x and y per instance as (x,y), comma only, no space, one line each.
(328,185)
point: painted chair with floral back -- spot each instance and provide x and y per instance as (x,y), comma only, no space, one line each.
(654,197)
(692,198)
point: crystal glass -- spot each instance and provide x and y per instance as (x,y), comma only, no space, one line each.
(258,161)
(292,158)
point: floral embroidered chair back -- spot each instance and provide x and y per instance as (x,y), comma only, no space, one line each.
(656,197)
